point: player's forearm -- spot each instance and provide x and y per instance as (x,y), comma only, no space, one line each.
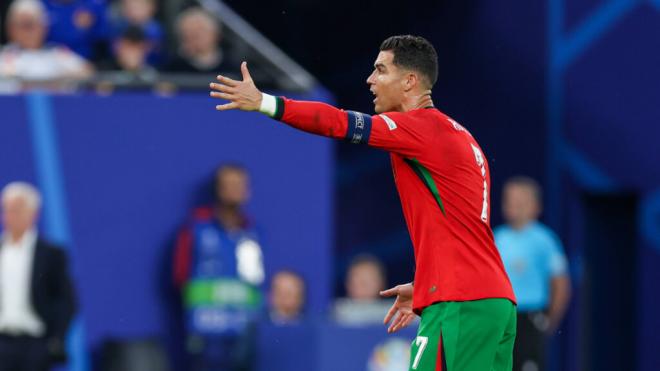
(312,117)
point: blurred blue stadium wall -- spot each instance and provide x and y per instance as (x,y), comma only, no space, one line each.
(121,174)
(603,129)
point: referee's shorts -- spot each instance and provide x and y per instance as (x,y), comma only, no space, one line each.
(529,352)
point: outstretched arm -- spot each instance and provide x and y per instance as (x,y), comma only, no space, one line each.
(392,131)
(313,117)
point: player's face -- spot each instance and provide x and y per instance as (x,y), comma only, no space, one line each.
(387,83)
(519,205)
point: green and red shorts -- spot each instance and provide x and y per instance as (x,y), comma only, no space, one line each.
(465,336)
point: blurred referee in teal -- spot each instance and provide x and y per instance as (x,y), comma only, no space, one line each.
(535,261)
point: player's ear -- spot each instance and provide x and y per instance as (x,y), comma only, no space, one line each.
(410,81)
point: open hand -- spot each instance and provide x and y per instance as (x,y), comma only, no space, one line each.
(402,306)
(242,95)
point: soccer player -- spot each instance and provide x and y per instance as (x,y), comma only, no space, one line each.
(460,290)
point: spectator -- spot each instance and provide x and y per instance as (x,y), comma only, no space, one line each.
(364,281)
(219,268)
(535,261)
(199,35)
(82,25)
(140,14)
(287,298)
(131,50)
(27,58)
(36,296)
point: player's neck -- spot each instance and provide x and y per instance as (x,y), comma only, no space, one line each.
(417,101)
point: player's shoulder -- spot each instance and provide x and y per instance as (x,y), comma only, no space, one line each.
(431,117)
(443,121)
(429,113)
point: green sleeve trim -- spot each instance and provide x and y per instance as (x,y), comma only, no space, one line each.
(425,176)
(279,111)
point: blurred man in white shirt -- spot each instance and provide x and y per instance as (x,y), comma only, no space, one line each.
(17,315)
(36,295)
(26,60)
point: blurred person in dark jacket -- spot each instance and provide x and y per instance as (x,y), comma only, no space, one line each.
(218,266)
(131,50)
(37,301)
(141,14)
(199,34)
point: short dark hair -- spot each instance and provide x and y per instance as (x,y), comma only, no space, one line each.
(414,53)
(134,34)
(529,183)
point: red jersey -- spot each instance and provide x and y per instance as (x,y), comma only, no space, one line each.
(443,181)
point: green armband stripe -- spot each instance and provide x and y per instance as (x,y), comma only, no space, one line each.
(279,110)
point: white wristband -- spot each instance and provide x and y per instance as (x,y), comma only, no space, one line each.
(268,104)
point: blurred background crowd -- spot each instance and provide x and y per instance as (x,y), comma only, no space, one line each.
(142,230)
(219,278)
(65,45)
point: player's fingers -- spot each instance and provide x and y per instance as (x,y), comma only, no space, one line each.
(393,326)
(226,96)
(225,107)
(396,323)
(223,88)
(227,81)
(408,320)
(245,72)
(390,292)
(390,314)
(390,329)
(406,310)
